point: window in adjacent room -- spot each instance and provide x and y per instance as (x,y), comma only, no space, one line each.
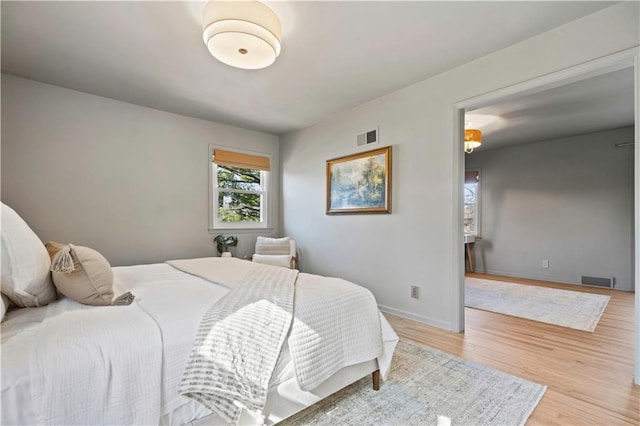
(472,202)
(239,189)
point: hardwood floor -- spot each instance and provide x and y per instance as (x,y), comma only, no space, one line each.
(589,375)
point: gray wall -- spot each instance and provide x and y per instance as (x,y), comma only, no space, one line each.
(129,181)
(415,244)
(569,201)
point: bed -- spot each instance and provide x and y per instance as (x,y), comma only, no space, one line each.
(68,363)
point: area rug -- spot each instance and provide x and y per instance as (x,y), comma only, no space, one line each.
(428,387)
(566,308)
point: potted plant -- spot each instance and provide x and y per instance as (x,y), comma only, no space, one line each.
(223,242)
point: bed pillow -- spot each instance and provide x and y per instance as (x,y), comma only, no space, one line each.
(26,279)
(283,260)
(4,306)
(273,246)
(83,274)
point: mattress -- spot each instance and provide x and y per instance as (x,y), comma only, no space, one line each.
(176,301)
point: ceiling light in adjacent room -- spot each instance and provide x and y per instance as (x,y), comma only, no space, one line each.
(472,140)
(243,34)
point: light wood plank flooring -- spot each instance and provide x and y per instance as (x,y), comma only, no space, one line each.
(589,375)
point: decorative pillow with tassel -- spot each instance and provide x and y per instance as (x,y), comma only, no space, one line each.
(84,275)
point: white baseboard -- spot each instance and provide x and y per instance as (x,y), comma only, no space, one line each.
(446,325)
(526,276)
(619,286)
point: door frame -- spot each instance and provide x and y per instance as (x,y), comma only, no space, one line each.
(629,58)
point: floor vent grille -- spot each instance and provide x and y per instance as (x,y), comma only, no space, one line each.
(598,282)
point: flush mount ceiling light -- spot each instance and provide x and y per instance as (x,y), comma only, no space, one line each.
(472,140)
(243,34)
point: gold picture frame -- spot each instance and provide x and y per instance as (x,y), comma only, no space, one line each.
(360,183)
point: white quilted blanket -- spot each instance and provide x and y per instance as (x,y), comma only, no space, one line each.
(96,365)
(336,323)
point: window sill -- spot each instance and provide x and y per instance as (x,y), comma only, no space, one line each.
(239,230)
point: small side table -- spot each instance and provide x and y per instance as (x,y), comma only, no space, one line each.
(469,241)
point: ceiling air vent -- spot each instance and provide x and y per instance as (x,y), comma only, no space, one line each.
(367,137)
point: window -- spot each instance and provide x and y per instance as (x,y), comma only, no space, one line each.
(239,190)
(472,202)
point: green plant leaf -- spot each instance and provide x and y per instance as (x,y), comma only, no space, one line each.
(224,242)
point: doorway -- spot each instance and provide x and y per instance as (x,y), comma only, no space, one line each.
(626,59)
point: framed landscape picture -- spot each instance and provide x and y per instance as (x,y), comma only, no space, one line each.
(360,183)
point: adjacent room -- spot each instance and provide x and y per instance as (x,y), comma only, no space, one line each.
(323,212)
(550,194)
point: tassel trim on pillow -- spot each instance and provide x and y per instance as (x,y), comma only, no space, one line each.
(125,299)
(63,262)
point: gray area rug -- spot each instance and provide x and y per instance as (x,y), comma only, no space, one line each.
(429,387)
(572,309)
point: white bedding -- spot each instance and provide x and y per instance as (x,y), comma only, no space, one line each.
(106,362)
(336,322)
(239,341)
(176,301)
(103,363)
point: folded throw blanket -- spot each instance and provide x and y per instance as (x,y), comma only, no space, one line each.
(239,341)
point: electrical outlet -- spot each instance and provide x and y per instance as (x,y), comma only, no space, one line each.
(414,292)
(545,263)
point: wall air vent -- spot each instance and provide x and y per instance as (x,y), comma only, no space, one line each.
(367,137)
(599,282)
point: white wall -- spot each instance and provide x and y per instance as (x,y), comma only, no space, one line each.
(569,201)
(129,181)
(414,245)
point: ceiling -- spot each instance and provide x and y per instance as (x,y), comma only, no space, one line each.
(336,55)
(590,105)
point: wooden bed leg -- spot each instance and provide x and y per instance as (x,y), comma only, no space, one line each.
(376,380)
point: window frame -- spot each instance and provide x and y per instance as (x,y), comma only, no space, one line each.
(265,180)
(478,203)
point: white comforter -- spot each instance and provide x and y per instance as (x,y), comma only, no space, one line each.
(95,366)
(172,303)
(175,301)
(336,323)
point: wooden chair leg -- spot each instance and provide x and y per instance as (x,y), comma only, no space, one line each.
(469,257)
(376,380)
